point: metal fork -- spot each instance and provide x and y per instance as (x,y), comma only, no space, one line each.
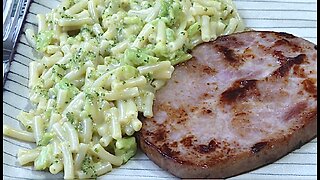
(12,23)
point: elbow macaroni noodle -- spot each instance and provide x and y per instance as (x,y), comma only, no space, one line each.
(103,61)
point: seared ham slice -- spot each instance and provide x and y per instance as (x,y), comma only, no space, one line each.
(243,101)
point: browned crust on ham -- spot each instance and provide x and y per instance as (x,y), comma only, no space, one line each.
(261,153)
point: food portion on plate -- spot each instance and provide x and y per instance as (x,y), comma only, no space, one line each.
(102,61)
(242,101)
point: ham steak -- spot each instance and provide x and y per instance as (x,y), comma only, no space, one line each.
(243,101)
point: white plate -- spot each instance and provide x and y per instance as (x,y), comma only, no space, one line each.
(298,17)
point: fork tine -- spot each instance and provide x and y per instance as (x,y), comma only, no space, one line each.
(14,26)
(17,13)
(7,17)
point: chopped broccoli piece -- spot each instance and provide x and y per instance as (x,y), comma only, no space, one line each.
(137,58)
(194,29)
(175,12)
(44,38)
(70,117)
(46,138)
(165,6)
(161,50)
(179,57)
(65,84)
(58,71)
(88,166)
(171,12)
(126,72)
(126,148)
(44,159)
(170,34)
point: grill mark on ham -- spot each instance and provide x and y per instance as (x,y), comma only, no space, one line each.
(309,86)
(299,71)
(207,148)
(238,90)
(233,109)
(226,40)
(258,147)
(230,56)
(295,111)
(285,35)
(206,70)
(187,141)
(288,44)
(289,62)
(160,134)
(166,150)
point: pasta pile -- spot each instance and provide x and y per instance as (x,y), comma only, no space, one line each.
(102,62)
